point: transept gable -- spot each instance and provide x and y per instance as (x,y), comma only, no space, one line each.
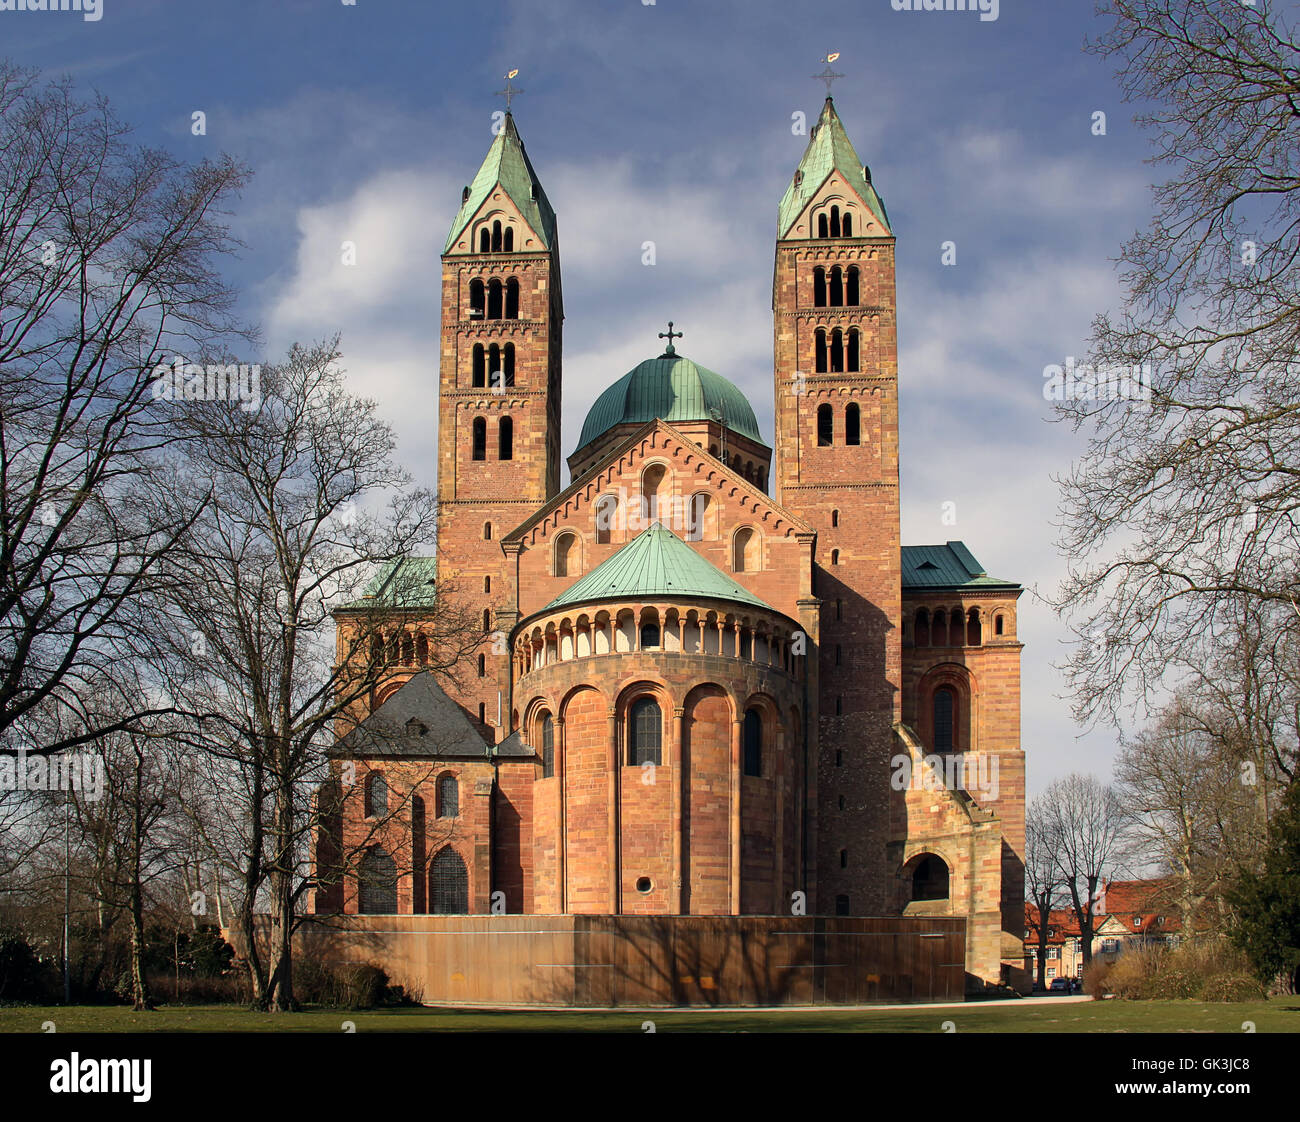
(695,470)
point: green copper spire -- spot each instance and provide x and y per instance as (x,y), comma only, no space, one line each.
(507,164)
(829,150)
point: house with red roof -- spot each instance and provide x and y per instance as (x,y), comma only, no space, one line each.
(1128,913)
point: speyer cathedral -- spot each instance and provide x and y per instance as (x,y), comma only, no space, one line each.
(712,681)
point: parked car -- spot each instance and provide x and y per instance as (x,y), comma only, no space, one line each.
(1061,985)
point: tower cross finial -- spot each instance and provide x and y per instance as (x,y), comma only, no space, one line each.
(670,335)
(828,75)
(510,91)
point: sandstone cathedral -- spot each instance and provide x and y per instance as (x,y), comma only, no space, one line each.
(711,679)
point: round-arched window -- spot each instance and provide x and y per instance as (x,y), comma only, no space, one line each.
(644,732)
(753,742)
(566,555)
(945,707)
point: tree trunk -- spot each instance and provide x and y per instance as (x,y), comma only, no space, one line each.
(1044,922)
(252,881)
(216,891)
(281,988)
(141,1000)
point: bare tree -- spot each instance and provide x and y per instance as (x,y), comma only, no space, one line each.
(25,829)
(106,270)
(1189,805)
(1084,828)
(1184,507)
(128,831)
(1043,880)
(1245,695)
(291,528)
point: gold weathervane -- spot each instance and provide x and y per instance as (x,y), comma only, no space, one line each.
(828,75)
(510,91)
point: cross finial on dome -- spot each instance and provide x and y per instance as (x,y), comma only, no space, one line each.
(670,335)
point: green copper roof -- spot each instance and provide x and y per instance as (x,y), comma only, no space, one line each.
(946,566)
(655,563)
(507,164)
(404,584)
(672,388)
(829,149)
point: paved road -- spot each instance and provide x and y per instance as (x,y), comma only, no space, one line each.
(1037,999)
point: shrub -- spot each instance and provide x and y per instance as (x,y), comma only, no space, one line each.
(400,995)
(1206,957)
(23,977)
(207,974)
(202,951)
(1232,987)
(354,985)
(314,983)
(1175,981)
(210,955)
(1132,976)
(233,988)
(1096,977)
(1208,970)
(365,985)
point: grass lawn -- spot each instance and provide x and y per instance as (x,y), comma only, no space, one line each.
(1040,1015)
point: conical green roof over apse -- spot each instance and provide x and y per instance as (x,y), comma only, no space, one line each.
(655,563)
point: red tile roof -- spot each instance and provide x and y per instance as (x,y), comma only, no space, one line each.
(1143,905)
(1061,923)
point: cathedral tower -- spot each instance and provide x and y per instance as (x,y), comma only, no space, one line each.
(499,388)
(836,384)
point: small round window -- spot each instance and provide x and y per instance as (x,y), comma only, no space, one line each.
(644,884)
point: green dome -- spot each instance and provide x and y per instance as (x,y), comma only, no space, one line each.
(672,388)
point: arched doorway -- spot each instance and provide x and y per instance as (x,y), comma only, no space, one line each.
(928,878)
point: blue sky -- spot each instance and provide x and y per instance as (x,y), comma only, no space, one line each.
(671,122)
